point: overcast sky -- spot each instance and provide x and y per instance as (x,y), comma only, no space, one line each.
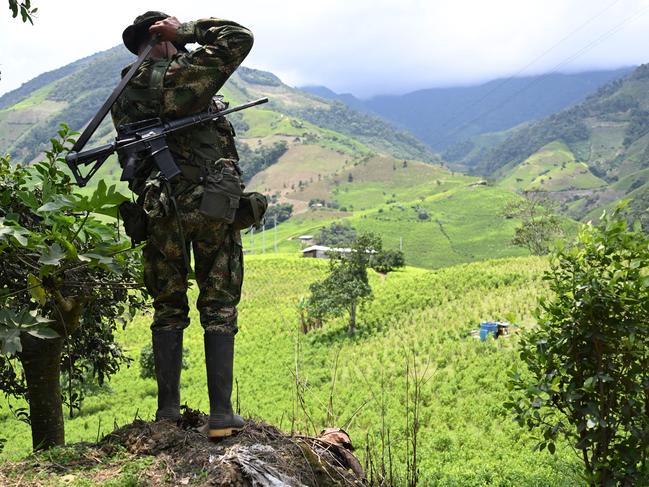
(365,47)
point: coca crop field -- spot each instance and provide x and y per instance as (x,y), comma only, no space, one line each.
(413,354)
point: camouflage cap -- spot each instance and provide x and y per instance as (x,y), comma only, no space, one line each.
(138,31)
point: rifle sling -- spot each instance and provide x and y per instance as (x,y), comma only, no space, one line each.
(108,104)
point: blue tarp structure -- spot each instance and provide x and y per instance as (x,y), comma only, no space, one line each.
(487,327)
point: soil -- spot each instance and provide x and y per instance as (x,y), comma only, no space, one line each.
(169,453)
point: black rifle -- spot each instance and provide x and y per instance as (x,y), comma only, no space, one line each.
(140,140)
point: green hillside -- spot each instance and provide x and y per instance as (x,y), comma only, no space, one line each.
(463,224)
(601,147)
(298,149)
(553,168)
(72,94)
(466,439)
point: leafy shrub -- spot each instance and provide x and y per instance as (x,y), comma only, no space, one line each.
(587,360)
(387,261)
(66,274)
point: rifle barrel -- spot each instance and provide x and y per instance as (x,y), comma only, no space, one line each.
(204,117)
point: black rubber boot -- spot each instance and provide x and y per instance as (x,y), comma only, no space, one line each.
(219,360)
(168,357)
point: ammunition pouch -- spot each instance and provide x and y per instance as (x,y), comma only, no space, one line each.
(135,221)
(252,207)
(221,195)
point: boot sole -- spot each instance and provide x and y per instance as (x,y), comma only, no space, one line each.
(222,432)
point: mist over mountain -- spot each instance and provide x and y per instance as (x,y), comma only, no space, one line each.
(442,117)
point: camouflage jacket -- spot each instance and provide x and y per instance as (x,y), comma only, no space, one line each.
(187,84)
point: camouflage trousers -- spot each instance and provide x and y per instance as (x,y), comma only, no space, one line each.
(218,261)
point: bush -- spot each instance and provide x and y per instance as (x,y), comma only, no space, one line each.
(586,377)
(387,261)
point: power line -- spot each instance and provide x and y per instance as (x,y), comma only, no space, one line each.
(521,70)
(554,70)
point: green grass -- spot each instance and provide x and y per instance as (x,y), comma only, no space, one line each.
(553,168)
(466,438)
(464,224)
(35,99)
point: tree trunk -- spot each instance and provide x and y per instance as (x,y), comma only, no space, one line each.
(41,361)
(352,318)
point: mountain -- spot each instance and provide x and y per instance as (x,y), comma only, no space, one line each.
(330,163)
(73,94)
(442,117)
(586,157)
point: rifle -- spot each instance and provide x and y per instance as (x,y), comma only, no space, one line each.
(139,140)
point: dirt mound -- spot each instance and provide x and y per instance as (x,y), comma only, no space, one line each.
(165,453)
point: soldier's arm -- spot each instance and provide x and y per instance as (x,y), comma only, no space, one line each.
(192,79)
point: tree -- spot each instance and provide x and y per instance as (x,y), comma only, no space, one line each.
(66,282)
(346,288)
(278,213)
(387,261)
(336,235)
(540,226)
(586,375)
(24,8)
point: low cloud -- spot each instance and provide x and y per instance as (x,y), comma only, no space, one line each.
(364,47)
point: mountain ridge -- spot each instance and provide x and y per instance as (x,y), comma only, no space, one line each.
(442,117)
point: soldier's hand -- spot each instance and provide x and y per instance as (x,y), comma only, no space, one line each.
(167,29)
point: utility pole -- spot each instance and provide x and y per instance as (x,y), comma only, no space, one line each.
(275,232)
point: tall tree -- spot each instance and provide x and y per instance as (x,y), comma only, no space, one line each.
(539,227)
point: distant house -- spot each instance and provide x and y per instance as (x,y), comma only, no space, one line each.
(322,251)
(306,239)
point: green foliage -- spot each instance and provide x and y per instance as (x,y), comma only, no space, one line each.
(278,213)
(65,272)
(254,161)
(346,288)
(587,360)
(387,261)
(336,235)
(539,227)
(366,128)
(147,361)
(24,8)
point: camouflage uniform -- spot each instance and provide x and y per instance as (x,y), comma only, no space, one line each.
(170,89)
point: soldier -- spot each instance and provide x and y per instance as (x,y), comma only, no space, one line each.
(174,83)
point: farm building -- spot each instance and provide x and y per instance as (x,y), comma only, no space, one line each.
(322,251)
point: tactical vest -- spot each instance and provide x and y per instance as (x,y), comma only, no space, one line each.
(197,146)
